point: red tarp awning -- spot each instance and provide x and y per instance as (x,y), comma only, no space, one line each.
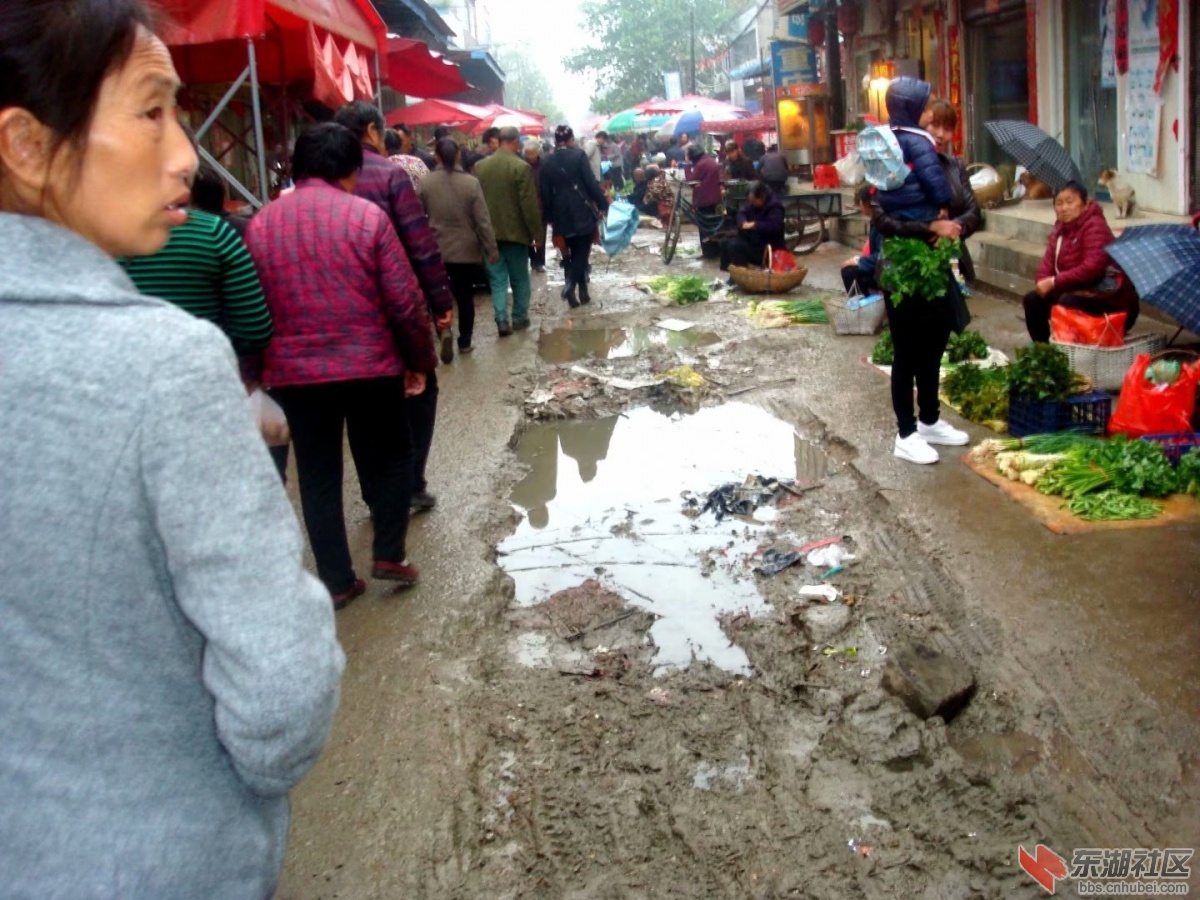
(331,42)
(690,101)
(739,126)
(438,112)
(414,71)
(525,122)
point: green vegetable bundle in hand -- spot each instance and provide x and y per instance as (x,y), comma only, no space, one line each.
(915,268)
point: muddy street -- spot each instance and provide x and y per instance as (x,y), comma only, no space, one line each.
(614,682)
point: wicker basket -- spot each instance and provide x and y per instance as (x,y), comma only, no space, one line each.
(1106,366)
(764,281)
(849,318)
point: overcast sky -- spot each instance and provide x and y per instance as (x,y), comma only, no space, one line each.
(547,30)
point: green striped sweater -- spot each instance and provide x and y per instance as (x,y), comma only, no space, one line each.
(206,270)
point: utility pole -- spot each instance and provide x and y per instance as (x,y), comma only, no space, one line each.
(692,26)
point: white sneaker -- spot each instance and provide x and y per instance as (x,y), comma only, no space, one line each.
(914,449)
(943,433)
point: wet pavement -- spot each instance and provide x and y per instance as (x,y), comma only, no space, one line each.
(592,695)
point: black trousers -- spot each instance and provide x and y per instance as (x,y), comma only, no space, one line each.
(920,332)
(379,441)
(462,285)
(865,280)
(1037,309)
(579,250)
(421,411)
(744,249)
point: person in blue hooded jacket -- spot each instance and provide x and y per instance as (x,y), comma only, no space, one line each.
(925,194)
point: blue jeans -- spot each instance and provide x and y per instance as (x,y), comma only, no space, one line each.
(513,266)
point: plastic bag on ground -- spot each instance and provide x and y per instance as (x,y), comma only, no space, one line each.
(828,557)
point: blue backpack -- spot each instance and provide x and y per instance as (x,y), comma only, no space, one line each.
(882,157)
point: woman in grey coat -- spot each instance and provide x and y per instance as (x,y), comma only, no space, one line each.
(170,670)
(454,202)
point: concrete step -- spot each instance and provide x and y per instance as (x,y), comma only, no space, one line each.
(1005,263)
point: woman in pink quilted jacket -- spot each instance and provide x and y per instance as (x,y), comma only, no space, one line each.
(352,341)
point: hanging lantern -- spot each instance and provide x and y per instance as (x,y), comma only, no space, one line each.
(816,30)
(847,17)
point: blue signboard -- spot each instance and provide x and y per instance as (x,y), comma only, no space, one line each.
(797,25)
(794,64)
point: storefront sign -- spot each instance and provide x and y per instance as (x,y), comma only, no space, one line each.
(954,81)
(1143,105)
(795,68)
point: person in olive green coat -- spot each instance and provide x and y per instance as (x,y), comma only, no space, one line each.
(508,189)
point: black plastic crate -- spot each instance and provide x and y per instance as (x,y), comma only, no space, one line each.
(1087,413)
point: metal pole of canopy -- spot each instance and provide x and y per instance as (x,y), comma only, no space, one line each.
(224,101)
(263,187)
(228,176)
(378,84)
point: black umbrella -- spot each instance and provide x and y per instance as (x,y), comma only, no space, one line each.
(1041,154)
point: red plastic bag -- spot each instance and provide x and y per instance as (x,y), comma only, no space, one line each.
(1074,326)
(782,261)
(1148,408)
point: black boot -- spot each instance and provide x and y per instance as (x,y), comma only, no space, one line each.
(585,295)
(568,284)
(569,292)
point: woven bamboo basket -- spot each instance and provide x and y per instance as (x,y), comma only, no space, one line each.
(764,281)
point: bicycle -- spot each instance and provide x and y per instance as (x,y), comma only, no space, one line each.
(712,226)
(803,225)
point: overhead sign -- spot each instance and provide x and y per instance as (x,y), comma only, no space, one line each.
(795,69)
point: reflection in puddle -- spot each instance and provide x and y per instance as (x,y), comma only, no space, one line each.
(602,499)
(564,345)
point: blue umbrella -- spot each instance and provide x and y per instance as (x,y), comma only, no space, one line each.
(619,227)
(689,123)
(1163,262)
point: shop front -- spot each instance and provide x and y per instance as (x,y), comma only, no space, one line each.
(997,77)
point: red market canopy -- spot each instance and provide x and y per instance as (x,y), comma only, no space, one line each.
(690,101)
(415,71)
(295,40)
(501,116)
(738,126)
(438,112)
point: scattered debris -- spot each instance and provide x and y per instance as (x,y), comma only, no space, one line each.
(742,499)
(684,376)
(826,592)
(828,557)
(675,324)
(825,622)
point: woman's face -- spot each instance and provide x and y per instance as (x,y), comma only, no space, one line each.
(126,185)
(943,135)
(1068,206)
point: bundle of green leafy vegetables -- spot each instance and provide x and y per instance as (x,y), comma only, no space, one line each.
(884,351)
(1108,480)
(980,394)
(915,268)
(682,289)
(1187,474)
(805,312)
(1043,372)
(966,346)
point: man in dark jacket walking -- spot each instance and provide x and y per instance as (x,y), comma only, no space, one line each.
(571,201)
(389,187)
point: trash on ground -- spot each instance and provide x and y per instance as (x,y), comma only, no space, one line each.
(675,324)
(621,384)
(684,376)
(743,499)
(775,561)
(828,557)
(826,592)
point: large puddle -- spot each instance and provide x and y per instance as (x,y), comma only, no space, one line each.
(564,345)
(604,499)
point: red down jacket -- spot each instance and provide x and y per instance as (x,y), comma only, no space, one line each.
(1081,262)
